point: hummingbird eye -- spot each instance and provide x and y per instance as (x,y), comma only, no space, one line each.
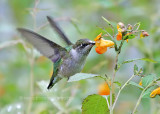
(84,45)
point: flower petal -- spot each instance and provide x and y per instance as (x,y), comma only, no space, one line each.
(98,37)
(127,40)
(103,89)
(119,36)
(101,50)
(106,43)
(155,92)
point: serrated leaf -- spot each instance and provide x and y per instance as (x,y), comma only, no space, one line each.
(135,69)
(81,76)
(147,93)
(148,79)
(118,83)
(130,36)
(106,20)
(135,84)
(95,104)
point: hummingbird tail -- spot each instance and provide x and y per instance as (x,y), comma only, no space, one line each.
(53,82)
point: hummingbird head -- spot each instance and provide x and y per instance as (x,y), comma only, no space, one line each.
(83,46)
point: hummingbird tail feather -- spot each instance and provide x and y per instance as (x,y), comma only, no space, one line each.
(53,82)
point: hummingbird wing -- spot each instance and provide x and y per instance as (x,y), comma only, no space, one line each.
(46,47)
(55,26)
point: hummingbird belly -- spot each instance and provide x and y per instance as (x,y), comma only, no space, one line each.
(70,67)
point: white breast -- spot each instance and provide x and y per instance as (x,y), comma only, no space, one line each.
(72,65)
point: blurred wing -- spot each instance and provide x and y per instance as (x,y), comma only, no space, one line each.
(58,30)
(46,47)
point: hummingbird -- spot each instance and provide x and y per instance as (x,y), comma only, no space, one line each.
(67,60)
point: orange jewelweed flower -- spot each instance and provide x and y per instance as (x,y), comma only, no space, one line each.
(119,36)
(155,92)
(98,37)
(101,50)
(106,43)
(103,89)
(102,44)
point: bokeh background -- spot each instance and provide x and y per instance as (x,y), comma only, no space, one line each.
(24,73)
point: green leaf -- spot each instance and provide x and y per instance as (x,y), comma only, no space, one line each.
(144,59)
(118,83)
(81,76)
(135,84)
(148,79)
(130,36)
(135,69)
(95,104)
(106,20)
(147,93)
(149,60)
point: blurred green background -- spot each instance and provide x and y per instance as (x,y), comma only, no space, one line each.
(25,73)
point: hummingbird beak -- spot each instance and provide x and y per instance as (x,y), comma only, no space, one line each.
(92,42)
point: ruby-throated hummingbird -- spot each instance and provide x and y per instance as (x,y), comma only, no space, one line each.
(67,61)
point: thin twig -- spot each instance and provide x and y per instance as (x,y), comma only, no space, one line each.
(42,26)
(31,60)
(10,43)
(107,101)
(122,89)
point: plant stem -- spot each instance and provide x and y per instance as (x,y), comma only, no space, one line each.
(113,77)
(31,61)
(122,89)
(120,47)
(140,97)
(107,101)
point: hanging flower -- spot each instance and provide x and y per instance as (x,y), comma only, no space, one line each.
(121,29)
(102,44)
(98,37)
(101,50)
(119,36)
(103,89)
(155,92)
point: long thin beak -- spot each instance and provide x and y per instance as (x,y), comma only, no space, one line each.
(92,42)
